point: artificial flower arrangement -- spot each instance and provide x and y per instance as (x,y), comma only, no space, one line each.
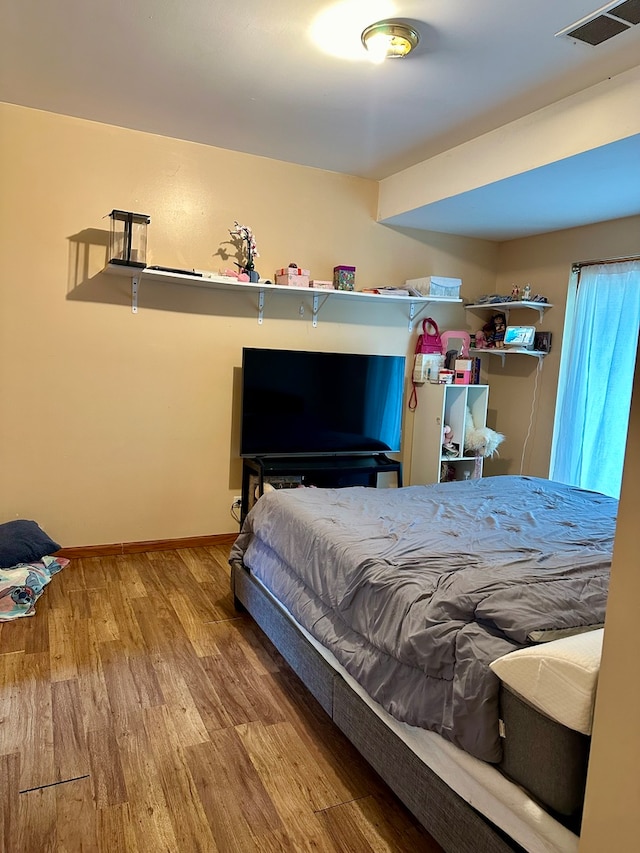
(246,244)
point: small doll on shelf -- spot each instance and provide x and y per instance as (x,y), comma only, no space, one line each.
(499,328)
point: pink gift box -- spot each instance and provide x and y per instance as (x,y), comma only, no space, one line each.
(289,280)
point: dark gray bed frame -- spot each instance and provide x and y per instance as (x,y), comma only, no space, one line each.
(452,822)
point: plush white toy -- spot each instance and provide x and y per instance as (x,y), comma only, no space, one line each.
(480,441)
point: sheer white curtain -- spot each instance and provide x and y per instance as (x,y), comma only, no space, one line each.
(596,378)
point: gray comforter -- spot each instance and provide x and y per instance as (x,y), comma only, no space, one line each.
(417,590)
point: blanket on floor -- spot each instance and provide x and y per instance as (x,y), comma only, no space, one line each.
(22,585)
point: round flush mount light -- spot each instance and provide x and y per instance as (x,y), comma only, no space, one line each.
(389,40)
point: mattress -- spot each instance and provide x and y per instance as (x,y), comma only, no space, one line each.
(548,759)
(547,699)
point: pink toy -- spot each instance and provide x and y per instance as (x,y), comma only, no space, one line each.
(241,276)
(481,342)
(449,449)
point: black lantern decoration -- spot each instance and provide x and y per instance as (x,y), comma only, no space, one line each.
(128,239)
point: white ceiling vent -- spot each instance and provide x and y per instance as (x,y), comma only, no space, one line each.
(604,23)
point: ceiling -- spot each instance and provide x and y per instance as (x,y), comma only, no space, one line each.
(251,76)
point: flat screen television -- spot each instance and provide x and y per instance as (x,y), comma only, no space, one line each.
(297,403)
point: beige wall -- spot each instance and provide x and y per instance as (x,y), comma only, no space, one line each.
(613,785)
(118,427)
(544,262)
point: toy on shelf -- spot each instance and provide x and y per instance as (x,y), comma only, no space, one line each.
(480,441)
(449,449)
(493,331)
(499,329)
(480,341)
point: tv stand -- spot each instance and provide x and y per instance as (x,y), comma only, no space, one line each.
(322,471)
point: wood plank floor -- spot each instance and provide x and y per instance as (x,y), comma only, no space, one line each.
(140,712)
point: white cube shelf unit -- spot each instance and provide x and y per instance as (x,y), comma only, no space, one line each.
(439,405)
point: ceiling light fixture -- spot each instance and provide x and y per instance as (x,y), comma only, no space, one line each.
(389,40)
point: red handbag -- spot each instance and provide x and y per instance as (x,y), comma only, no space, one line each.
(429,341)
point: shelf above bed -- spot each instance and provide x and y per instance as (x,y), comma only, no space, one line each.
(415,305)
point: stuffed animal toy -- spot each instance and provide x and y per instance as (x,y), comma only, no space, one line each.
(480,441)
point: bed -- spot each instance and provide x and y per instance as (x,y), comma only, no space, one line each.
(406,612)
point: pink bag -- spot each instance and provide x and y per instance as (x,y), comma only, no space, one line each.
(429,341)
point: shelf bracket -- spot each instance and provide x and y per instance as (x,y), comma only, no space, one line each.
(135,281)
(260,307)
(540,309)
(317,305)
(414,314)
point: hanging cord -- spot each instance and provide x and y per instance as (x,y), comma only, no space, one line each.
(533,408)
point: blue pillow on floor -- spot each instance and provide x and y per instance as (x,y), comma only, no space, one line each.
(23,541)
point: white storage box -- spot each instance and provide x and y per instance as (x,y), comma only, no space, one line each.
(436,285)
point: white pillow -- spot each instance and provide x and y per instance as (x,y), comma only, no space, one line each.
(558,678)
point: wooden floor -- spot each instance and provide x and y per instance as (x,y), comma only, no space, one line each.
(139,712)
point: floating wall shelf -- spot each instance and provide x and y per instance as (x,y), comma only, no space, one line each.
(506,351)
(505,307)
(415,305)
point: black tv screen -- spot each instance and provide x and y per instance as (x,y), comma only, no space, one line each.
(307,403)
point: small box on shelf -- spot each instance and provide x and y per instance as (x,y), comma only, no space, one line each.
(344,277)
(292,279)
(463,371)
